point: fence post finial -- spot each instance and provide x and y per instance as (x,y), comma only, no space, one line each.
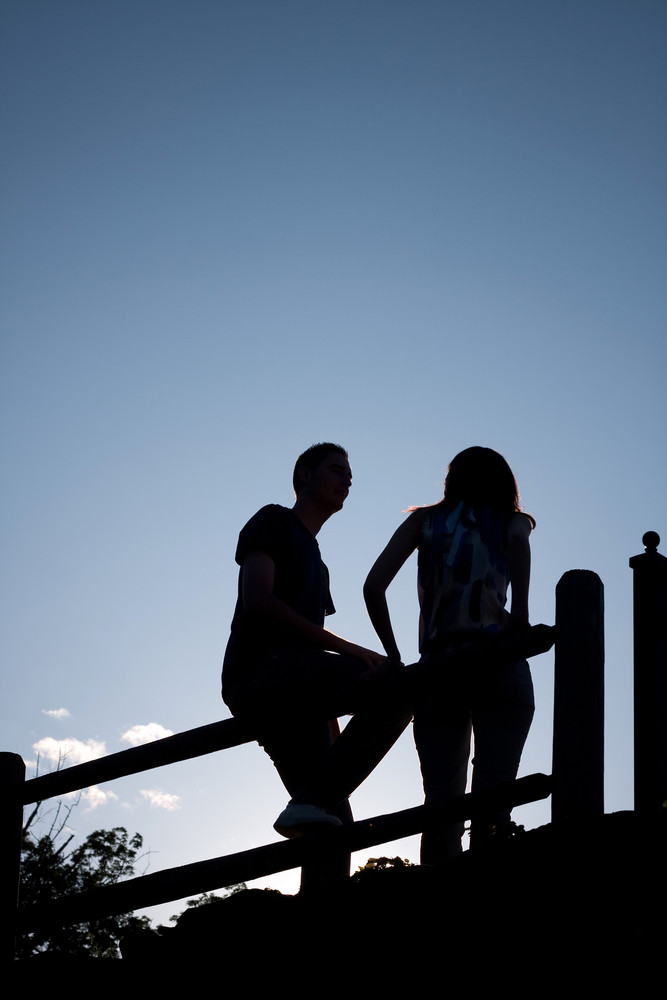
(651,540)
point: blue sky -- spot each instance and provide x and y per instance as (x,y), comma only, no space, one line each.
(230,230)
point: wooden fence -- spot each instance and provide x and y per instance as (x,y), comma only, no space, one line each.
(576,783)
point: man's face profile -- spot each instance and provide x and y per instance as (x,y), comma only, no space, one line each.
(329,483)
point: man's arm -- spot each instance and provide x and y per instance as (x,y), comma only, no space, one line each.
(259,600)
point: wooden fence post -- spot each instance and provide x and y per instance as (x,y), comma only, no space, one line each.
(12,777)
(650,675)
(578,740)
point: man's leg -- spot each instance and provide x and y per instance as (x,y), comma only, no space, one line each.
(297,750)
(381,712)
(296,690)
(292,706)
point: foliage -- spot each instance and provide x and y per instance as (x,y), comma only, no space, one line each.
(207,898)
(49,871)
(379,864)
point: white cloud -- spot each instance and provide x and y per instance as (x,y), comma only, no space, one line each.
(56,713)
(161,800)
(94,797)
(69,751)
(145,734)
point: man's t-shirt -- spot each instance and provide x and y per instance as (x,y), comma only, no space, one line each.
(301,581)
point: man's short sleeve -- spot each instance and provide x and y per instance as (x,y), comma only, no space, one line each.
(264,532)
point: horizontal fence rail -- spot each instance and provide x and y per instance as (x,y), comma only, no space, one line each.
(169,750)
(206,876)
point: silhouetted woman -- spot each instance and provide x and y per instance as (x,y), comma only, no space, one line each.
(471,546)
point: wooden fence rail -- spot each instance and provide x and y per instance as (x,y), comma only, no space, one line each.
(170,750)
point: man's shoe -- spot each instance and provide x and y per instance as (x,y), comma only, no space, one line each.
(295,820)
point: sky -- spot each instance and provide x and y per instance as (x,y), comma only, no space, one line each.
(232,229)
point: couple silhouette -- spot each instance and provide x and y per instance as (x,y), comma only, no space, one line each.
(291,679)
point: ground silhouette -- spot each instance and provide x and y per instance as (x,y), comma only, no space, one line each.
(557,903)
(576,906)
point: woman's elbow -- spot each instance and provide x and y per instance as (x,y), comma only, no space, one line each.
(373,591)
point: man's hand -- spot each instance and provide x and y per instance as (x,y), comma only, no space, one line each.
(369,656)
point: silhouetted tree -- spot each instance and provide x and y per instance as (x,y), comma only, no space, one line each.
(49,871)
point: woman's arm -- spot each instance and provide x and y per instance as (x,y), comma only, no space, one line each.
(400,546)
(518,566)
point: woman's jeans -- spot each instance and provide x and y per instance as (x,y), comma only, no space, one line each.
(494,703)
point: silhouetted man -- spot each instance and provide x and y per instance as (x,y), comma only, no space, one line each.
(287,675)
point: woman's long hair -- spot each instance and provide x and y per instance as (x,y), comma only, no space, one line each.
(480,477)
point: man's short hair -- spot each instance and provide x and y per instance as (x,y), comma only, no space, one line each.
(313,457)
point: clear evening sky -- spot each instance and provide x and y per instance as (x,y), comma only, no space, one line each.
(232,229)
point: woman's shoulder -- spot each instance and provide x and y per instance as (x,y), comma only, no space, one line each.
(429,522)
(419,514)
(420,517)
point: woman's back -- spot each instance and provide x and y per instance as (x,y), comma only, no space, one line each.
(462,567)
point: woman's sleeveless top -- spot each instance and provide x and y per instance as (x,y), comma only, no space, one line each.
(462,572)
